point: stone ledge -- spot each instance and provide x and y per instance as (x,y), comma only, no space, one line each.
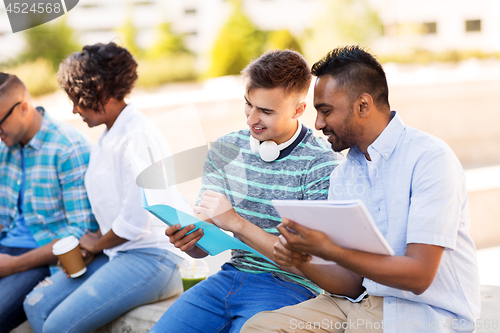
(143,318)
(138,320)
(490,309)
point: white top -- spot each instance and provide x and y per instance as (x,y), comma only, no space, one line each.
(111,185)
(414,188)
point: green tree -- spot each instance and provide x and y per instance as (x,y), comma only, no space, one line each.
(238,42)
(50,41)
(39,76)
(168,60)
(167,43)
(282,40)
(343,22)
(128,34)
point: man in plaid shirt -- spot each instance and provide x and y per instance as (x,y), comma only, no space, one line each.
(42,194)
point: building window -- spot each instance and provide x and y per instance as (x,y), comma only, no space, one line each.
(472,25)
(429,28)
(190,11)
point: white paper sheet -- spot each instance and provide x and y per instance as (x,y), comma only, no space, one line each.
(347,223)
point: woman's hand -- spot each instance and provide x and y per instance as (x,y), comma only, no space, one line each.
(88,242)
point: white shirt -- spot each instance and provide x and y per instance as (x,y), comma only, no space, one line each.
(111,186)
(414,187)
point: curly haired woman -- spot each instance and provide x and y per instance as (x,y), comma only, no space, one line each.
(129,260)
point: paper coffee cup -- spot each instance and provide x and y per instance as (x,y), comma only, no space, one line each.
(68,252)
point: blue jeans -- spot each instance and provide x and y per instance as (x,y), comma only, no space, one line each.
(226,300)
(107,290)
(13,291)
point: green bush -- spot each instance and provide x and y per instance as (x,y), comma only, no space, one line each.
(343,22)
(53,42)
(168,60)
(282,40)
(167,43)
(128,33)
(39,76)
(238,42)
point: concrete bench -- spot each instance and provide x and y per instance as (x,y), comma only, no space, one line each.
(138,320)
(143,318)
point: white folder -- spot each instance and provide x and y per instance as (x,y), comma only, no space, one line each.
(346,223)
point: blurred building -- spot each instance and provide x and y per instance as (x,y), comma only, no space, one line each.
(439,25)
(435,25)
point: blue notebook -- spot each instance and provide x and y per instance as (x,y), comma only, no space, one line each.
(214,240)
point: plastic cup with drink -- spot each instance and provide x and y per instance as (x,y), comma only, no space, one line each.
(192,272)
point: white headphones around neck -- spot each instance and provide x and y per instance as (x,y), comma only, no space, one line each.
(269,150)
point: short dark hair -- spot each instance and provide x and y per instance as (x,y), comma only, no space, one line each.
(98,73)
(8,82)
(357,71)
(281,68)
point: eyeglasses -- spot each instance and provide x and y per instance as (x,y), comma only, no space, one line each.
(8,114)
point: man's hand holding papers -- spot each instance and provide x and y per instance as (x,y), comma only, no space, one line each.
(295,242)
(320,224)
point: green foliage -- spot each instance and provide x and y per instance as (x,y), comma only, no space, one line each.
(128,33)
(168,60)
(355,21)
(39,76)
(50,41)
(238,42)
(343,22)
(173,68)
(282,40)
(168,43)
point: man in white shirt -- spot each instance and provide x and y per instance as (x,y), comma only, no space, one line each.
(414,187)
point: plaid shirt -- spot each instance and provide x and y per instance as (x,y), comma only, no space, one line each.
(55,201)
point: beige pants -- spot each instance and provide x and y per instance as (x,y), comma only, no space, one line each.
(322,314)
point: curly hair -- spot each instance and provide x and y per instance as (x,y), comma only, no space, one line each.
(281,68)
(100,72)
(357,71)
